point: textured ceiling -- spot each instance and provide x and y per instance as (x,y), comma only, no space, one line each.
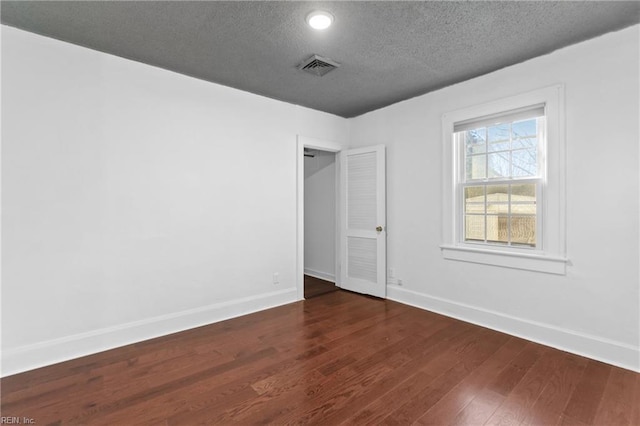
(389,51)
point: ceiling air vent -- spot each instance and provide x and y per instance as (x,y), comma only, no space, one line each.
(317,65)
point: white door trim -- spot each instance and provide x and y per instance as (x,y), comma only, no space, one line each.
(302,143)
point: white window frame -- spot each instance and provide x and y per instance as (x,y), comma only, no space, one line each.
(549,255)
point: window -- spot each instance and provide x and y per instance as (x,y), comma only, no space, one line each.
(504,183)
(501,178)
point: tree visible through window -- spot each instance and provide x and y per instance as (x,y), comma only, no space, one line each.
(501,178)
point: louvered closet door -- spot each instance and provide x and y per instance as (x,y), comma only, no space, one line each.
(363,230)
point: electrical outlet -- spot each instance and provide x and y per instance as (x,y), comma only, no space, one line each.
(399,282)
(276,278)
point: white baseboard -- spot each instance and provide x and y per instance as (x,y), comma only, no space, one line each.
(29,357)
(601,349)
(321,275)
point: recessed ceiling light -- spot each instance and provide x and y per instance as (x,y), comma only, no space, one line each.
(319,20)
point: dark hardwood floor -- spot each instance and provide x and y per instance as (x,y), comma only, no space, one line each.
(338,358)
(315,287)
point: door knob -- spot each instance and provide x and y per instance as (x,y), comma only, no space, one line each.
(379,228)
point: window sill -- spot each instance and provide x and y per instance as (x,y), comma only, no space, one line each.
(527,261)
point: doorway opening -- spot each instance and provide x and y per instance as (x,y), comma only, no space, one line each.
(310,144)
(320,211)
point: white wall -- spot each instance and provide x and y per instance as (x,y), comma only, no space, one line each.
(137,201)
(594,309)
(320,215)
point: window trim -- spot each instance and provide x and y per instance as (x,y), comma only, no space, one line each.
(550,256)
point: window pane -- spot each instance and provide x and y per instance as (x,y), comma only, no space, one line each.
(526,190)
(510,214)
(525,162)
(499,137)
(499,146)
(474,228)
(524,128)
(523,230)
(498,133)
(475,141)
(498,228)
(502,190)
(530,142)
(476,167)
(499,165)
(523,199)
(474,199)
(497,199)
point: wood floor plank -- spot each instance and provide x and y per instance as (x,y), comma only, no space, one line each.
(517,407)
(570,421)
(211,394)
(123,405)
(339,358)
(314,353)
(457,365)
(349,381)
(406,367)
(635,415)
(314,287)
(464,392)
(548,409)
(373,407)
(584,401)
(479,410)
(618,400)
(414,353)
(504,383)
(281,384)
